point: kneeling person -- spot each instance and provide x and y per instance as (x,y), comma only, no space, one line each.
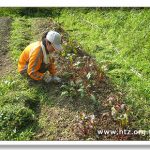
(36,59)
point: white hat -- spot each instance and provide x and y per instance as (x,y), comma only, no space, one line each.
(55,38)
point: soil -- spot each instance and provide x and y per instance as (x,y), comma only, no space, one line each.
(5,61)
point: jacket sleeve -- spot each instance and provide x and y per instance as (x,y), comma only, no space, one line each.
(34,65)
(52,68)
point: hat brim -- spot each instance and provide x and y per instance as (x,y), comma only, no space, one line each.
(57,47)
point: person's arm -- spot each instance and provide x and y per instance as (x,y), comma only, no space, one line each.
(52,68)
(34,65)
(53,71)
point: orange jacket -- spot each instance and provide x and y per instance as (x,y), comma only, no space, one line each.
(31,61)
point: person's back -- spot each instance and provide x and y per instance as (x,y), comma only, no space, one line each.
(24,57)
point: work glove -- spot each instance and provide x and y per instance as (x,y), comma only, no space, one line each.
(47,79)
(54,79)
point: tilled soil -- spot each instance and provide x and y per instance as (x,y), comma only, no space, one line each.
(5,62)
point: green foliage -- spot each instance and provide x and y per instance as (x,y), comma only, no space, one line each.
(73,90)
(13,120)
(20,36)
(18,102)
(9,12)
(30,12)
(18,105)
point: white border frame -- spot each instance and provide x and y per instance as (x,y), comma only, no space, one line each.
(76,143)
(74,3)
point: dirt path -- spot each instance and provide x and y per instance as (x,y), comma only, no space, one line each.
(5,63)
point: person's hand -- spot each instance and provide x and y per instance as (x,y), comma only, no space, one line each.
(56,79)
(48,79)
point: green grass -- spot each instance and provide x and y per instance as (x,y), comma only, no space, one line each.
(17,117)
(119,40)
